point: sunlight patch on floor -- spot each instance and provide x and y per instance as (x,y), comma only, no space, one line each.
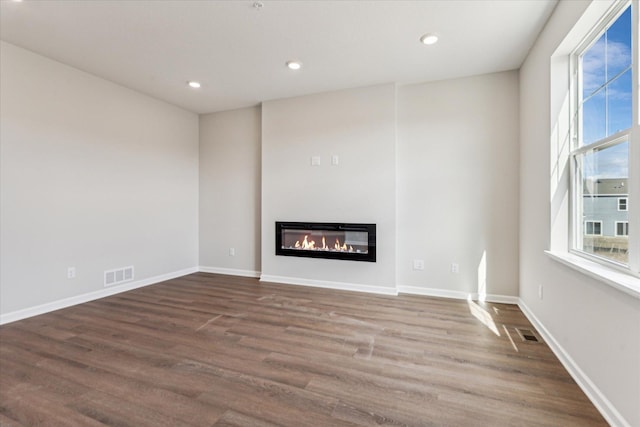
(483,316)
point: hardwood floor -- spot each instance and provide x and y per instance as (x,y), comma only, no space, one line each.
(212,350)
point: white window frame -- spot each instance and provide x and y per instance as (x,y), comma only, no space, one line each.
(632,135)
(626,204)
(616,228)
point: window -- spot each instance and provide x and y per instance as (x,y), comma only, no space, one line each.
(603,83)
(622,228)
(593,228)
(622,204)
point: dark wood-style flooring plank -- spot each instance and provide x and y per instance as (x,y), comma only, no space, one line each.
(215,350)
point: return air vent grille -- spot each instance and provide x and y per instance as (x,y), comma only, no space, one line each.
(528,335)
(118,275)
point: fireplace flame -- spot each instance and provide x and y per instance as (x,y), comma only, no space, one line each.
(311,245)
(306,244)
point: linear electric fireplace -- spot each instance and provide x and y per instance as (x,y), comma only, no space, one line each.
(355,242)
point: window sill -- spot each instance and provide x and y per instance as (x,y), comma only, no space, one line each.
(619,280)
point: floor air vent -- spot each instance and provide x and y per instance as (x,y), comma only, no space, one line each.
(527,335)
(117,276)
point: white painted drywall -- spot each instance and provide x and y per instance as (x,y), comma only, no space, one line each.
(230,190)
(458,184)
(358,125)
(596,325)
(93,176)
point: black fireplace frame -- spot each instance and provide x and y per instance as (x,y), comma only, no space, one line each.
(370,256)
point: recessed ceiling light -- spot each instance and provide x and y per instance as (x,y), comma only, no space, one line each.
(294,65)
(17,1)
(429,39)
(194,85)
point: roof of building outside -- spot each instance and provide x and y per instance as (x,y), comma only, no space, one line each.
(609,186)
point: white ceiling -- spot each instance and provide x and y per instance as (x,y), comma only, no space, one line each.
(238,52)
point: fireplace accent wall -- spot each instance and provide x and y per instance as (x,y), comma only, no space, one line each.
(330,240)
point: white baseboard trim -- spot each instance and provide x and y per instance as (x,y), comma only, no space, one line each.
(608,411)
(445,293)
(499,299)
(433,292)
(79,299)
(229,271)
(329,285)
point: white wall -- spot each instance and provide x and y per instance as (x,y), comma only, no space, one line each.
(358,125)
(453,201)
(94,176)
(230,191)
(593,324)
(458,185)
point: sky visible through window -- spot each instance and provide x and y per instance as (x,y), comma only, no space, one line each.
(607,98)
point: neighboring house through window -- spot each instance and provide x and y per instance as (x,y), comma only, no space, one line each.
(622,204)
(622,228)
(593,228)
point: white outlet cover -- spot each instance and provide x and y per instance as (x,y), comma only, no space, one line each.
(315,161)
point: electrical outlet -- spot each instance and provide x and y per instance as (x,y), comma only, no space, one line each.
(455,268)
(540,291)
(232,251)
(418,264)
(71,273)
